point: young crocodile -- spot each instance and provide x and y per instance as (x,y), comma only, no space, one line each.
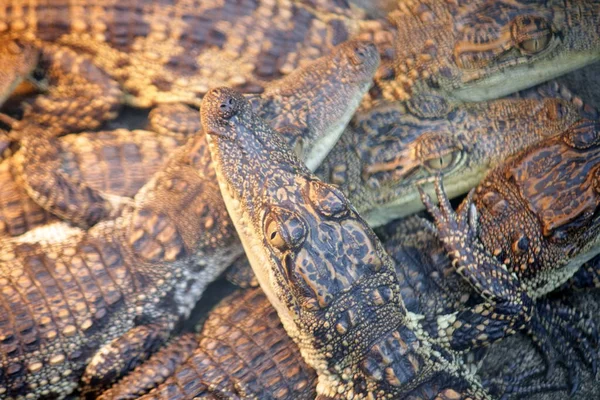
(174,50)
(54,177)
(243,333)
(146,53)
(102,300)
(479,50)
(242,351)
(293,228)
(322,268)
(113,164)
(387,152)
(530,226)
(376,163)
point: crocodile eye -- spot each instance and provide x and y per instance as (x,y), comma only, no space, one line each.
(273,236)
(284,230)
(531,34)
(444,162)
(533,46)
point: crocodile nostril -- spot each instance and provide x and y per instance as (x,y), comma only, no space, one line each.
(363,52)
(227,108)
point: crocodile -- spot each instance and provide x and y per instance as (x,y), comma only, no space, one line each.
(241,351)
(114,163)
(538,212)
(387,151)
(243,327)
(479,50)
(334,288)
(366,163)
(145,53)
(324,291)
(53,172)
(88,305)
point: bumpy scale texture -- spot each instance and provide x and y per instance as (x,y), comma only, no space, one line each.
(324,270)
(242,351)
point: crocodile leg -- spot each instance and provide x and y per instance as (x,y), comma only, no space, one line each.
(506,307)
(548,323)
(80,95)
(150,374)
(123,354)
(39,163)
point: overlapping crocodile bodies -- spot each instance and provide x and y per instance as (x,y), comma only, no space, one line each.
(478,50)
(155,259)
(345,312)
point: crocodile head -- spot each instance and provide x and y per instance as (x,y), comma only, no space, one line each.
(304,240)
(17,61)
(480,50)
(320,98)
(389,151)
(539,211)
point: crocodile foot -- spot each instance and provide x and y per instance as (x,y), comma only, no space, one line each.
(567,336)
(564,336)
(506,306)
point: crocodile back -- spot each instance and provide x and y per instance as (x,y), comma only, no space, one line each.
(243,352)
(63,293)
(175,50)
(115,162)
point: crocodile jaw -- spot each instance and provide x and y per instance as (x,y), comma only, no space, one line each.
(254,249)
(503,83)
(329,138)
(410,203)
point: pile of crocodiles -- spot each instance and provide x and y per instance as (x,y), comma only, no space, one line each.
(306,151)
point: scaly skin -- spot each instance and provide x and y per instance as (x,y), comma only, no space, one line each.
(171,51)
(428,286)
(174,50)
(53,172)
(102,300)
(245,327)
(530,226)
(322,268)
(242,351)
(479,50)
(113,166)
(387,152)
(377,162)
(18,61)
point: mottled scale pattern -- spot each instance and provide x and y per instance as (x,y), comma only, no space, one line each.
(117,162)
(160,366)
(429,284)
(166,246)
(112,163)
(58,298)
(175,50)
(69,292)
(387,151)
(323,268)
(479,50)
(242,352)
(18,212)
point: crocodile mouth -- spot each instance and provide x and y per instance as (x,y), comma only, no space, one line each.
(507,80)
(267,271)
(410,202)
